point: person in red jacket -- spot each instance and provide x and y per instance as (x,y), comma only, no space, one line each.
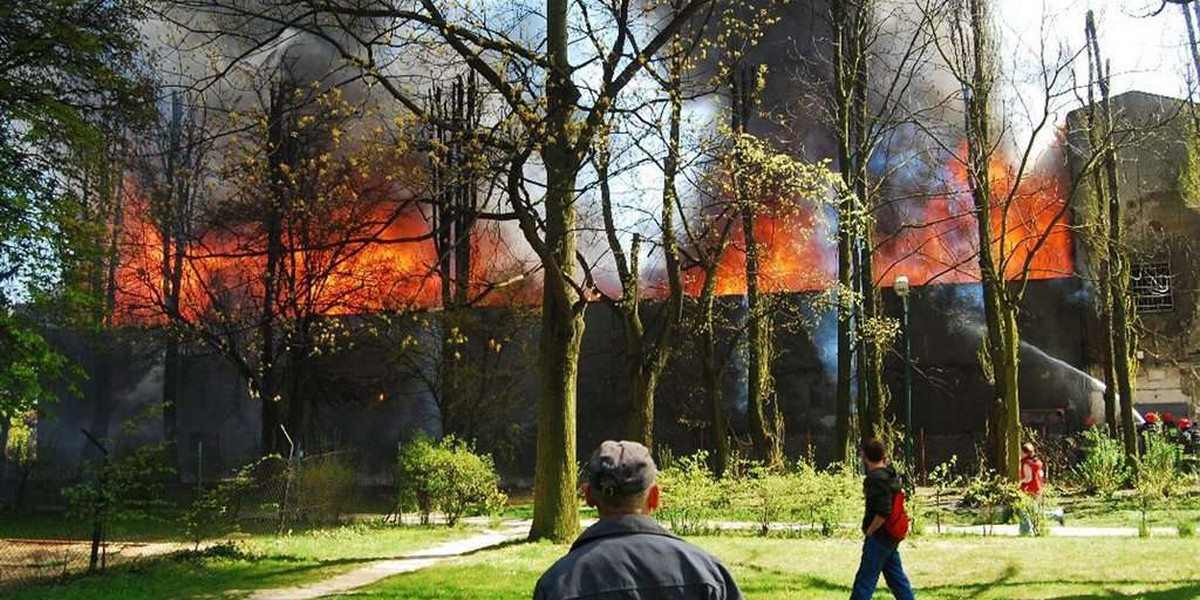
(1033,485)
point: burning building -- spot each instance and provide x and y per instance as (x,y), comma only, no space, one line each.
(384,379)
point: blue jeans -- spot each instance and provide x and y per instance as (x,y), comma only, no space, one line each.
(878,557)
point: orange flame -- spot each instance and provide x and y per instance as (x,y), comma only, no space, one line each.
(936,241)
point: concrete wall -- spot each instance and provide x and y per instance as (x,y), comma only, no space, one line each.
(1161,224)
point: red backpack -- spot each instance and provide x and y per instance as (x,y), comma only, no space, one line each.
(896,524)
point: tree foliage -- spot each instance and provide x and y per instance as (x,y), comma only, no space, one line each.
(69,70)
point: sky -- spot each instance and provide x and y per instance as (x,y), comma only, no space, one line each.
(1148,53)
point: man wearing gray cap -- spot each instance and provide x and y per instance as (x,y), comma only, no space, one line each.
(627,555)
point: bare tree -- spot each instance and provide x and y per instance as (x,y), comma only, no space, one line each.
(1009,237)
(1116,269)
(169,177)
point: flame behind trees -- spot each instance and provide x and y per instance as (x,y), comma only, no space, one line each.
(308,220)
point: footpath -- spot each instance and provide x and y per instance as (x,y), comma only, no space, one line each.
(374,571)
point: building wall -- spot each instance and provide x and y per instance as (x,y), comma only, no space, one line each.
(1162,228)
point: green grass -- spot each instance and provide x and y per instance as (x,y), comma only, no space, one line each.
(186,578)
(943,568)
(355,542)
(262,561)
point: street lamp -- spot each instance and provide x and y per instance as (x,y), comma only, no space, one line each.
(900,285)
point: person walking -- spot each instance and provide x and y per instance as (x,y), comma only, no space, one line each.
(1033,486)
(881,549)
(627,555)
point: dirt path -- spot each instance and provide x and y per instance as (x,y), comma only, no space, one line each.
(374,571)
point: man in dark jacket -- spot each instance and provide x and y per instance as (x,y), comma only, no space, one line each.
(881,553)
(626,555)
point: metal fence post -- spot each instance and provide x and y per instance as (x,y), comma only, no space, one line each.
(289,471)
(100,506)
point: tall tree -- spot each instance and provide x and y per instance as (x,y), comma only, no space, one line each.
(649,344)
(765,419)
(69,75)
(168,172)
(1009,239)
(1116,272)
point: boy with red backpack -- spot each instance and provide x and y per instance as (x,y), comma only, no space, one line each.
(885,524)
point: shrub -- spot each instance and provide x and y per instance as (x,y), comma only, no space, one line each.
(1158,474)
(125,487)
(324,488)
(943,478)
(690,494)
(20,451)
(1103,469)
(1187,528)
(992,494)
(830,497)
(416,463)
(799,494)
(446,476)
(472,485)
(217,511)
(770,495)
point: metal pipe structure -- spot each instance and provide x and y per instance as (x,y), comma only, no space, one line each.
(902,289)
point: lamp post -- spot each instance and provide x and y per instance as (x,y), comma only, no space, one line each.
(902,289)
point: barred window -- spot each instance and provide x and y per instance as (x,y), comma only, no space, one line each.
(1151,285)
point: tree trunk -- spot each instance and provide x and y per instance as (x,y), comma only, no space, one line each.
(642,385)
(1117,274)
(647,352)
(555,498)
(870,369)
(1110,380)
(556,503)
(1011,423)
(710,367)
(763,420)
(842,75)
(298,368)
(758,341)
(282,152)
(1001,339)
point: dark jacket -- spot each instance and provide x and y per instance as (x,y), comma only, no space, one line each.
(631,557)
(878,488)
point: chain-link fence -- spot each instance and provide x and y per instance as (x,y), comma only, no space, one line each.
(111,518)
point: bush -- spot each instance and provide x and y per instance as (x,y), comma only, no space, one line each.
(799,494)
(770,495)
(323,488)
(1103,470)
(690,494)
(992,494)
(1158,475)
(1187,528)
(943,478)
(832,496)
(217,511)
(802,494)
(125,488)
(446,476)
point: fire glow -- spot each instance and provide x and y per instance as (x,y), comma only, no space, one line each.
(934,240)
(395,266)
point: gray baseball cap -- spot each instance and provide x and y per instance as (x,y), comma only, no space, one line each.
(621,468)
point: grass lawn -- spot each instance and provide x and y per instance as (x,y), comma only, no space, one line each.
(944,568)
(263,561)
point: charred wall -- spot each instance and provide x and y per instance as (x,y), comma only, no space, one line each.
(370,395)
